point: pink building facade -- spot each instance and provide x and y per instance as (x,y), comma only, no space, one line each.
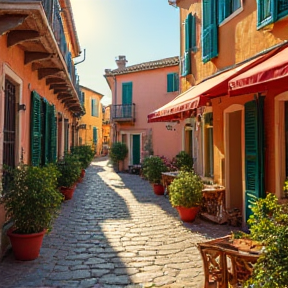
(136,91)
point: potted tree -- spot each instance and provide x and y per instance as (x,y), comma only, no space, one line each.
(118,153)
(31,200)
(153,167)
(185,194)
(70,169)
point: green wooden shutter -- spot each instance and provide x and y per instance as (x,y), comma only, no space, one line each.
(35,129)
(254,153)
(188,27)
(136,149)
(193,33)
(127,99)
(209,31)
(47,136)
(95,136)
(170,80)
(53,135)
(66,131)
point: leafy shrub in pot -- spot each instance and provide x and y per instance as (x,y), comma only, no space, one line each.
(186,190)
(85,154)
(70,169)
(31,198)
(118,152)
(184,162)
(153,167)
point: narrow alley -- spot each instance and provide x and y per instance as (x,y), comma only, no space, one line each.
(115,233)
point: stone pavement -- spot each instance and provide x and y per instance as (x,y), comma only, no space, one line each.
(115,233)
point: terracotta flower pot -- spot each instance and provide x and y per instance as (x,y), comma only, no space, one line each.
(68,192)
(187,214)
(26,246)
(83,171)
(158,189)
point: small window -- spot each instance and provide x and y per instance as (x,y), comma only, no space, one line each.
(226,8)
(172,82)
(269,11)
(94,107)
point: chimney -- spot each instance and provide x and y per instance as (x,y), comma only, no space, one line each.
(121,61)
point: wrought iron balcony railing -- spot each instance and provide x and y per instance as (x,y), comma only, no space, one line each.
(124,112)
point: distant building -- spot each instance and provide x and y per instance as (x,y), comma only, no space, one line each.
(90,125)
(137,90)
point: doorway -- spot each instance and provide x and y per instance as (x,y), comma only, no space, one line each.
(234,157)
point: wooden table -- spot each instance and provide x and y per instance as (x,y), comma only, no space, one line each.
(167,178)
(228,264)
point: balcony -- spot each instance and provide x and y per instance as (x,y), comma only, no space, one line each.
(36,27)
(123,113)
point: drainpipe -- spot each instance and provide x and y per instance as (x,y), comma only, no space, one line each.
(83,58)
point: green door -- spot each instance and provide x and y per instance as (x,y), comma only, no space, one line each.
(254,153)
(127,100)
(136,149)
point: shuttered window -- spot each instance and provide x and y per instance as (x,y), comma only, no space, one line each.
(94,107)
(190,43)
(66,135)
(172,82)
(95,135)
(35,129)
(226,8)
(254,153)
(209,31)
(269,11)
(127,99)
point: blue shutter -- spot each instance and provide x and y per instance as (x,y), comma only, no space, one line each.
(209,31)
(254,153)
(176,81)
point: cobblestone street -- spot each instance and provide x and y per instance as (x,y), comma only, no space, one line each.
(115,233)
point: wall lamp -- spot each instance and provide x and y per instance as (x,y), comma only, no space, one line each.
(21,107)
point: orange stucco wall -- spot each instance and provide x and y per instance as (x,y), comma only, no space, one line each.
(14,59)
(238,40)
(91,121)
(150,93)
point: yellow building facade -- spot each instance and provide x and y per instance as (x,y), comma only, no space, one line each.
(90,125)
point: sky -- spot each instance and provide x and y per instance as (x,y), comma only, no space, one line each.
(142,30)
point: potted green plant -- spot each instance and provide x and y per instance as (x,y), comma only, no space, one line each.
(31,200)
(153,167)
(185,194)
(268,225)
(184,162)
(69,167)
(85,155)
(118,152)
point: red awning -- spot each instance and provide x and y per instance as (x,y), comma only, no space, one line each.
(272,72)
(198,95)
